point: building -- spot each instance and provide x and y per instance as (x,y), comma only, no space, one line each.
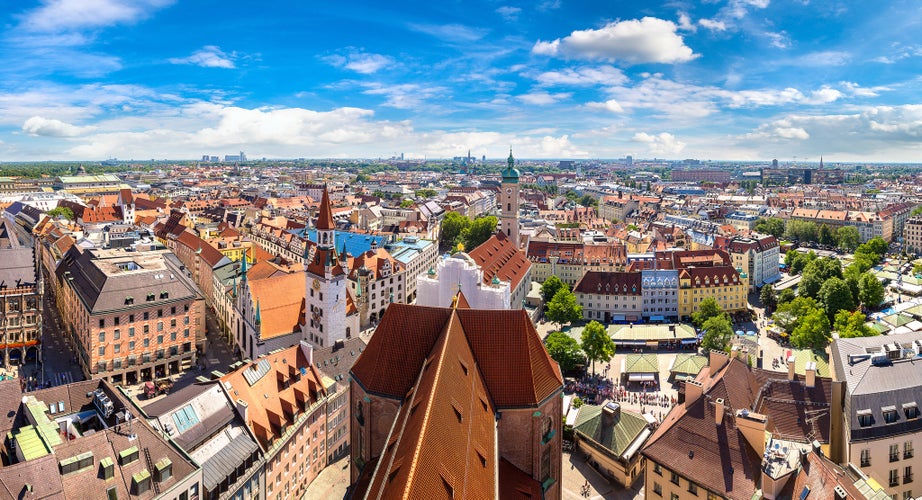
(201,421)
(707,274)
(912,235)
(700,175)
(610,297)
(460,273)
(269,312)
(21,291)
(464,408)
(375,280)
(611,439)
(882,397)
(498,257)
(85,440)
(133,316)
(757,256)
(741,220)
(334,363)
(283,399)
(570,260)
(869,224)
(660,286)
(417,256)
(89,184)
(741,432)
(509,202)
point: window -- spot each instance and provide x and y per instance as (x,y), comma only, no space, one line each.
(657,489)
(159,339)
(865,418)
(866,458)
(118,348)
(146,315)
(131,331)
(907,450)
(173,323)
(173,310)
(907,495)
(673,496)
(102,351)
(911,410)
(907,474)
(102,322)
(146,342)
(116,334)
(131,318)
(693,488)
(894,477)
(160,326)
(657,469)
(674,478)
(894,452)
(102,336)
(889,414)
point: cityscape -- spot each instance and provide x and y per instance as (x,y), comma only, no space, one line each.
(469,250)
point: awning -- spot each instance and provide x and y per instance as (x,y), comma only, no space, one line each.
(681,376)
(640,377)
(618,317)
(636,343)
(632,318)
(689,341)
(773,279)
(657,318)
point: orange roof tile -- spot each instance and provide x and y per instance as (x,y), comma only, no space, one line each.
(498,256)
(325,217)
(280,300)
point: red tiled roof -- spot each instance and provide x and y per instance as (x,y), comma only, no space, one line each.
(499,257)
(325,217)
(609,283)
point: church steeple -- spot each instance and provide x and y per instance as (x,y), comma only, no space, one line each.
(325,225)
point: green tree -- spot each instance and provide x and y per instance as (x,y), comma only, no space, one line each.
(406,203)
(772,225)
(377,193)
(852,274)
(565,350)
(786,296)
(479,231)
(426,193)
(550,286)
(61,212)
(790,314)
(588,201)
(916,211)
(717,333)
(707,309)
(801,261)
(825,236)
(847,238)
(767,298)
(812,332)
(596,343)
(852,324)
(800,230)
(816,273)
(836,296)
(453,224)
(563,307)
(917,268)
(870,291)
(789,257)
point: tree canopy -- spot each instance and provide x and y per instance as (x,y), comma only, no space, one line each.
(768,298)
(707,309)
(771,225)
(812,332)
(550,286)
(563,307)
(790,314)
(870,290)
(479,231)
(596,343)
(836,296)
(816,273)
(565,350)
(65,212)
(852,324)
(847,238)
(717,333)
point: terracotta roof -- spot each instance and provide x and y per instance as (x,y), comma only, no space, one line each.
(821,476)
(281,300)
(325,217)
(499,257)
(609,283)
(208,253)
(515,484)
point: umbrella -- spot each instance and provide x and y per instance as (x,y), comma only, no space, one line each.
(739,332)
(751,333)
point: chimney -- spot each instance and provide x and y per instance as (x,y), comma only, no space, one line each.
(610,413)
(735,352)
(791,367)
(719,411)
(308,351)
(717,360)
(243,409)
(693,392)
(811,374)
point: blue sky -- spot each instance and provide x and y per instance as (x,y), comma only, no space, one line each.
(713,80)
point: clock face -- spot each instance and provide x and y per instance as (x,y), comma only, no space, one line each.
(508,190)
(316,284)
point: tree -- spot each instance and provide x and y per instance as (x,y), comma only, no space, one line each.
(870,291)
(851,275)
(717,333)
(61,212)
(565,350)
(800,230)
(917,268)
(406,203)
(790,314)
(816,273)
(563,307)
(767,297)
(596,343)
(786,296)
(426,193)
(825,235)
(550,286)
(812,332)
(847,238)
(852,324)
(916,211)
(453,224)
(479,231)
(789,257)
(801,261)
(772,225)
(588,201)
(836,296)
(709,308)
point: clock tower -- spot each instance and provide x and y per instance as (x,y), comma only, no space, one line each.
(509,201)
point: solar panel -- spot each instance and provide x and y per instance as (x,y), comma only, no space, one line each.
(804,493)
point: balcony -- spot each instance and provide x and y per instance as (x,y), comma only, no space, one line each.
(894,457)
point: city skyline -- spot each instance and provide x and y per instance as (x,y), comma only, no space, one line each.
(723,80)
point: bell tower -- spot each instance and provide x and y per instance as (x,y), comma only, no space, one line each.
(509,201)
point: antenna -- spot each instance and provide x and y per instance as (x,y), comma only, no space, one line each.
(812,417)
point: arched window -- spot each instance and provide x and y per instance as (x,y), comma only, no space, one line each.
(359,413)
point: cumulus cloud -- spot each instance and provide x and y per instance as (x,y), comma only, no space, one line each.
(583,76)
(713,24)
(50,127)
(609,105)
(61,15)
(542,98)
(360,62)
(685,23)
(663,143)
(647,40)
(209,56)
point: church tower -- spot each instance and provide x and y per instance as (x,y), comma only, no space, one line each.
(326,312)
(509,201)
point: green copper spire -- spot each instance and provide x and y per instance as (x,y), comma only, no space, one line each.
(510,173)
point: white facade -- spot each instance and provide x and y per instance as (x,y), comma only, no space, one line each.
(460,272)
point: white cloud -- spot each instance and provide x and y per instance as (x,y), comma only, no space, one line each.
(779,40)
(857,90)
(360,62)
(455,33)
(713,24)
(209,56)
(57,15)
(51,127)
(685,23)
(824,95)
(405,95)
(823,58)
(647,40)
(509,13)
(583,76)
(542,98)
(609,105)
(663,143)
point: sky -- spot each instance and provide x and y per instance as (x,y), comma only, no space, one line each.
(748,80)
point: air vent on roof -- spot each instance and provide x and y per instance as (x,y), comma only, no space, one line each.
(840,493)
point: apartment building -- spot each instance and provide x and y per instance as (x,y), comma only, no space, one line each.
(610,297)
(133,316)
(757,256)
(21,291)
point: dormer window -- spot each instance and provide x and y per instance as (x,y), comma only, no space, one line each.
(911,410)
(865,418)
(890,415)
